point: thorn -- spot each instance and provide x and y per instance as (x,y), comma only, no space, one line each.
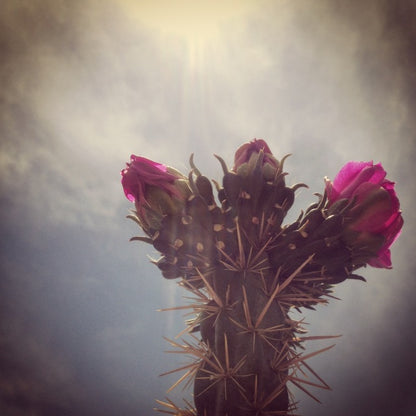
(216,184)
(280,288)
(240,246)
(211,291)
(143,239)
(223,164)
(281,163)
(299,185)
(194,168)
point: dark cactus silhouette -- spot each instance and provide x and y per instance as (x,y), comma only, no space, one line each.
(246,270)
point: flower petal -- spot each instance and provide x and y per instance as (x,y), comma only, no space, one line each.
(373,208)
(382,261)
(375,211)
(353,174)
(244,152)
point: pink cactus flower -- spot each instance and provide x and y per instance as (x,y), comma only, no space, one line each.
(374,219)
(244,153)
(154,188)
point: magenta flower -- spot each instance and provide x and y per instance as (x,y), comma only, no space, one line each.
(155,189)
(247,155)
(245,152)
(373,221)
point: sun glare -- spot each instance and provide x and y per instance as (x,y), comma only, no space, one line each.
(199,34)
(194,21)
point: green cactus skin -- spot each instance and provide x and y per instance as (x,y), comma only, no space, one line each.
(247,271)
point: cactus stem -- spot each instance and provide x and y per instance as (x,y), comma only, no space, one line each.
(224,374)
(246,271)
(259,406)
(274,394)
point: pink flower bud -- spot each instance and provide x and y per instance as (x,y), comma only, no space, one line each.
(373,221)
(247,155)
(156,190)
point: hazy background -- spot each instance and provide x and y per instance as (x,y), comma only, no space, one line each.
(86,83)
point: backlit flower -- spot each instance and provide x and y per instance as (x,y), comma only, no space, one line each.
(156,190)
(373,219)
(247,155)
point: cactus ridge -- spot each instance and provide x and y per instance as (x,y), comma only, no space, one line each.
(246,271)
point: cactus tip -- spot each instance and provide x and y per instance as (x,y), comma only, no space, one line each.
(223,164)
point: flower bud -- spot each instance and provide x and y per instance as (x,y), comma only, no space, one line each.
(247,157)
(372,217)
(155,189)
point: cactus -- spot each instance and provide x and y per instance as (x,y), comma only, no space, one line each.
(246,270)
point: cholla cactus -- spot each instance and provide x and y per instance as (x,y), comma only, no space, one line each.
(247,270)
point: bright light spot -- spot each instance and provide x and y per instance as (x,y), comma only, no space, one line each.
(189,19)
(198,26)
(199,34)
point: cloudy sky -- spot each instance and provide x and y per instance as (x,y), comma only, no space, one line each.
(86,83)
